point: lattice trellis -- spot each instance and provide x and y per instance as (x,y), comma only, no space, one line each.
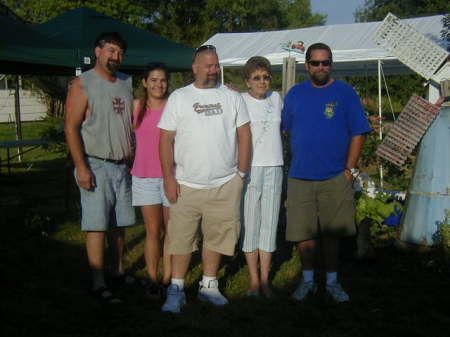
(407,130)
(411,47)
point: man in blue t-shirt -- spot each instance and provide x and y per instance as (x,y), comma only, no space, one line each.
(326,123)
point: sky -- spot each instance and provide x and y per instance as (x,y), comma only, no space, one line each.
(338,11)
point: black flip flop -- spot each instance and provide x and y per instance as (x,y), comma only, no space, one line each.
(155,291)
(124,279)
(105,295)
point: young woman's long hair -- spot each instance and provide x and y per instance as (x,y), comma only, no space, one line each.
(150,67)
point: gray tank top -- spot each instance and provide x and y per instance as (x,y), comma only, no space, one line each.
(107,129)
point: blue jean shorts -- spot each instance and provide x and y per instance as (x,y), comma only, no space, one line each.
(108,204)
(149,191)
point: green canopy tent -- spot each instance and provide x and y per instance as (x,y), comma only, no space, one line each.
(80,27)
(23,50)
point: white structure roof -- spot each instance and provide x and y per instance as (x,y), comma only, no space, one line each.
(354,51)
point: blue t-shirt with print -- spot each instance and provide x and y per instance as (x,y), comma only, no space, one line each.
(321,123)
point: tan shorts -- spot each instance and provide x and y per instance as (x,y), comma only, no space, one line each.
(320,208)
(215,211)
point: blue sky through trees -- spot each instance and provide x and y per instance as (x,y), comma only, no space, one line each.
(338,11)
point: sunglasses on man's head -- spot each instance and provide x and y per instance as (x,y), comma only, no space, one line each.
(205,47)
(264,77)
(325,63)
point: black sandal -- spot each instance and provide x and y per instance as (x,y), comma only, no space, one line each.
(105,295)
(124,280)
(153,291)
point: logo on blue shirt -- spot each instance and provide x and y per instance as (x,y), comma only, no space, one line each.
(330,109)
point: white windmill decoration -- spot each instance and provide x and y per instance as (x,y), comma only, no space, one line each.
(429,192)
(411,47)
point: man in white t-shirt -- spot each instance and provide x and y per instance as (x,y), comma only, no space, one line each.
(205,150)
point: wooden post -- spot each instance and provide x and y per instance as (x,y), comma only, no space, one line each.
(18,121)
(289,64)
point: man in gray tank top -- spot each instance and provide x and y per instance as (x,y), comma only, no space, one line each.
(98,132)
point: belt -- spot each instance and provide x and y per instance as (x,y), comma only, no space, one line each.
(114,161)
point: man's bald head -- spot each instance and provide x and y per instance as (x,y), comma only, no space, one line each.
(206,68)
(203,53)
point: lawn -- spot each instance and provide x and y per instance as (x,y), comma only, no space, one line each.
(30,130)
(45,279)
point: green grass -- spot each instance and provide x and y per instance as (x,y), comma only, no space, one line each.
(30,130)
(45,279)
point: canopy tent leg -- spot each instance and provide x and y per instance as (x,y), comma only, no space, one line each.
(380,132)
(18,121)
(222,75)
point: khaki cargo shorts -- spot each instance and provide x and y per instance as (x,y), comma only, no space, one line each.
(320,208)
(213,213)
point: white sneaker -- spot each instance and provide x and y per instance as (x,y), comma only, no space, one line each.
(175,299)
(211,293)
(335,290)
(303,290)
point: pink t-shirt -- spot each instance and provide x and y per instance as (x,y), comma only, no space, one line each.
(146,160)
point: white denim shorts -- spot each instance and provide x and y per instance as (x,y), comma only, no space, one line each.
(148,191)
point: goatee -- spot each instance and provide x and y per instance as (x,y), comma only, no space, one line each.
(112,66)
(320,80)
(211,82)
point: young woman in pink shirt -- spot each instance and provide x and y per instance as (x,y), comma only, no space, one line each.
(147,187)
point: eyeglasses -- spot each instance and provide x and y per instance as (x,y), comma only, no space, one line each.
(325,63)
(205,47)
(264,77)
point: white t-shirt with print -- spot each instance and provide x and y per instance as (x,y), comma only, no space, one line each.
(265,117)
(206,122)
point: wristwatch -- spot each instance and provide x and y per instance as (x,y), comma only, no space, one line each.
(353,171)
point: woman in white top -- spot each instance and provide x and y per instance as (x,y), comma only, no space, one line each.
(262,191)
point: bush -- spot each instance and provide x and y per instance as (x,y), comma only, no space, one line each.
(53,132)
(445,234)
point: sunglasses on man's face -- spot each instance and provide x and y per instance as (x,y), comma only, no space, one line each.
(325,63)
(205,47)
(264,77)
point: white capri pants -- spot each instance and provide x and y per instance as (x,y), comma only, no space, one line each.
(261,207)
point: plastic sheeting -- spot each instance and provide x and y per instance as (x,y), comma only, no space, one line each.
(354,51)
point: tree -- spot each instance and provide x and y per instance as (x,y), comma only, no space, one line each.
(133,12)
(376,10)
(181,20)
(194,21)
(298,14)
(244,15)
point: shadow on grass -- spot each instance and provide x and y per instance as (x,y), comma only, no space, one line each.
(46,282)
(45,278)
